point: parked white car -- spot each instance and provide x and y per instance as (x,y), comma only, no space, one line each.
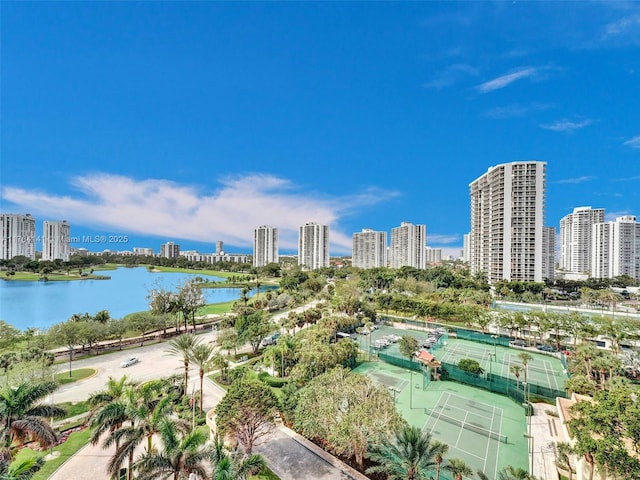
(128,362)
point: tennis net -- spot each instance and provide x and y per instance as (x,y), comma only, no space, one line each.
(468,426)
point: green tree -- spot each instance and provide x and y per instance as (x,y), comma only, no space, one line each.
(409,455)
(23,469)
(408,347)
(346,410)
(201,356)
(246,412)
(458,468)
(470,366)
(563,452)
(525,358)
(23,415)
(182,346)
(233,465)
(180,455)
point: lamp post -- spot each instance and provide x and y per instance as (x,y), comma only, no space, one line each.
(530,441)
(395,391)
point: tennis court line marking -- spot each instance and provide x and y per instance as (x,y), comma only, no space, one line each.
(437,419)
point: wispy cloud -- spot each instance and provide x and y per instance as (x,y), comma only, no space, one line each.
(627,179)
(611,216)
(442,239)
(451,75)
(622,26)
(508,79)
(515,110)
(168,209)
(633,142)
(565,125)
(576,180)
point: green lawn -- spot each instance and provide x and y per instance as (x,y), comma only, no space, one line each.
(75,442)
(265,474)
(216,308)
(52,277)
(74,409)
(213,273)
(79,374)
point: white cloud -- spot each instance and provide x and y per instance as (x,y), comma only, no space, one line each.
(441,239)
(451,75)
(567,125)
(173,210)
(505,80)
(633,142)
(515,110)
(576,180)
(623,25)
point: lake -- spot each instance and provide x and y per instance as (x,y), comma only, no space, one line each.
(42,304)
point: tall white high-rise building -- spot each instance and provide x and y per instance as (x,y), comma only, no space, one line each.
(265,246)
(548,253)
(408,242)
(616,248)
(466,247)
(507,219)
(170,250)
(369,249)
(55,240)
(18,236)
(433,255)
(576,233)
(313,246)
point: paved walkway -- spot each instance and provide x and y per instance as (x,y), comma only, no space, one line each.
(545,430)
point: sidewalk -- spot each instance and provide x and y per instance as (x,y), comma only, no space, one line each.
(545,430)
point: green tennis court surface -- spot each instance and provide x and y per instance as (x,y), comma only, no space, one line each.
(482,428)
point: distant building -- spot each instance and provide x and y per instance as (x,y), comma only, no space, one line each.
(507,219)
(616,248)
(265,246)
(576,234)
(55,241)
(466,247)
(219,247)
(313,246)
(548,253)
(369,249)
(408,242)
(148,252)
(170,250)
(18,236)
(433,255)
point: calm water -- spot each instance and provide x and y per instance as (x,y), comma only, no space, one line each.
(42,304)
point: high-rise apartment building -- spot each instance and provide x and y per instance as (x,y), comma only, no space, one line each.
(576,233)
(507,218)
(548,253)
(616,248)
(313,246)
(433,255)
(55,241)
(466,247)
(369,249)
(170,250)
(407,248)
(265,246)
(18,236)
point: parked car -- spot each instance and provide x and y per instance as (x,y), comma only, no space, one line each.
(518,343)
(128,362)
(546,348)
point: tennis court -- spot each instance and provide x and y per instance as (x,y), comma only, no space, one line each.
(541,369)
(482,428)
(471,428)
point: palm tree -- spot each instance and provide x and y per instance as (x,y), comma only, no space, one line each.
(516,369)
(181,455)
(201,355)
(23,469)
(232,465)
(23,415)
(442,449)
(512,473)
(409,455)
(458,468)
(408,346)
(113,391)
(182,346)
(525,358)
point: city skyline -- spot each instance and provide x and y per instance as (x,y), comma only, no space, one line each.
(209,119)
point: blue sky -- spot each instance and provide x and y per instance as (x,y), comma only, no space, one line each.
(197,122)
